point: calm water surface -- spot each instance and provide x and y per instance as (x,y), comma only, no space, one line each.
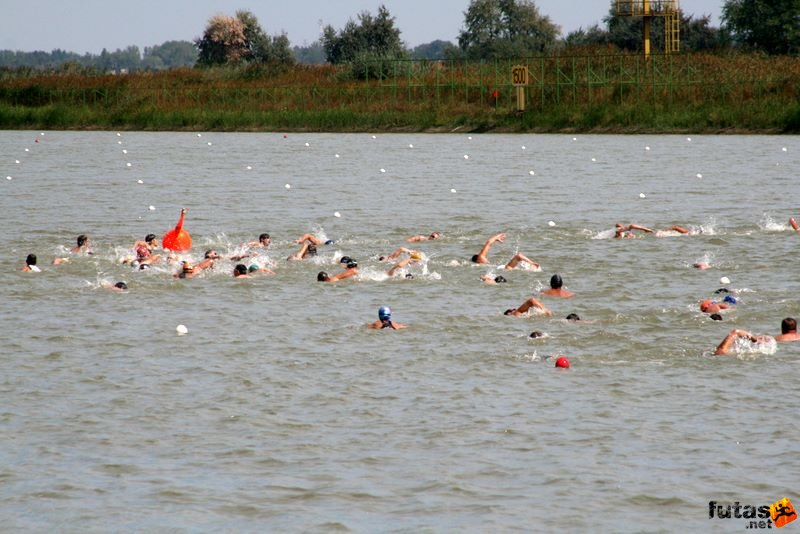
(281,412)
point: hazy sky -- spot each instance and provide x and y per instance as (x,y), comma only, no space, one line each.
(90,25)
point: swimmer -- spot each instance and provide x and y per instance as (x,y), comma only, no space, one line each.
(240,271)
(526,306)
(626,232)
(557,289)
(702,265)
(308,238)
(186,271)
(403,263)
(118,287)
(350,270)
(385,320)
(674,228)
(493,280)
(788,330)
(536,334)
(480,257)
(30,265)
(307,250)
(572,318)
(709,306)
(256,268)
(144,251)
(397,253)
(520,258)
(264,241)
(83,245)
(725,346)
(417,238)
(794,224)
(209,258)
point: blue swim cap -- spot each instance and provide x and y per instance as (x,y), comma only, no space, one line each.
(384,313)
(730,299)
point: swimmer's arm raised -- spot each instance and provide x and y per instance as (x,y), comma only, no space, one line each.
(725,347)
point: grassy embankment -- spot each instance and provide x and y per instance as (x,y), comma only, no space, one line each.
(683,93)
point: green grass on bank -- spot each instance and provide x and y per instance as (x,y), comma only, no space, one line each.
(702,93)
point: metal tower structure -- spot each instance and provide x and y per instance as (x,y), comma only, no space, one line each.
(648,9)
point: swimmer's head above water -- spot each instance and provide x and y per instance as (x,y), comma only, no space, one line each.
(556,282)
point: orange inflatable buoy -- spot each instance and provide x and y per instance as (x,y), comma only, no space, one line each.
(177,239)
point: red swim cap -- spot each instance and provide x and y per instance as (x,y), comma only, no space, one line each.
(562,362)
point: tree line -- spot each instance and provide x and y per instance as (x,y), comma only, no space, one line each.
(491,29)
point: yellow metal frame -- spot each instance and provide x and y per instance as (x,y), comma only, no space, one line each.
(647,9)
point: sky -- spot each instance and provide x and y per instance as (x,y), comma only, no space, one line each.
(90,25)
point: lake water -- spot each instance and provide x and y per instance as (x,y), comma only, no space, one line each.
(281,412)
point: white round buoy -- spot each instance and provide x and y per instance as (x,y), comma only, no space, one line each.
(249,168)
(383,170)
(469,137)
(699,175)
(181,330)
(410,145)
(466,156)
(139,182)
(642,195)
(784,149)
(27,150)
(287,186)
(689,139)
(16,161)
(128,164)
(452,190)
(594,159)
(119,142)
(374,137)
(647,148)
(152,208)
(551,223)
(124,151)
(9,178)
(724,280)
(209,143)
(531,173)
(523,147)
(308,144)
(574,138)
(119,134)
(199,135)
(337,214)
(336,155)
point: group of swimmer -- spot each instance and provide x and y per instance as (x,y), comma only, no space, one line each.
(144,254)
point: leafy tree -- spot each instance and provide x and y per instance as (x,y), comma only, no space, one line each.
(437,49)
(170,55)
(505,28)
(626,33)
(313,54)
(769,25)
(240,39)
(223,42)
(374,37)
